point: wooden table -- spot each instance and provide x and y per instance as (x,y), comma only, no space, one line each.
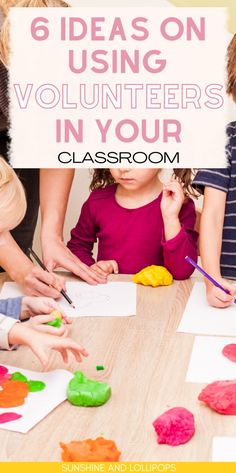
(146,363)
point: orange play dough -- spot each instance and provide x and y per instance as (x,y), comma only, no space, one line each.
(13,393)
(89,450)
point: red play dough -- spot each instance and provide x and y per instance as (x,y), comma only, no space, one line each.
(4,376)
(220,396)
(3,370)
(8,417)
(175,426)
(230,352)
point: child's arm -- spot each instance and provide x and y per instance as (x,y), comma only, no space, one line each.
(6,324)
(212,221)
(42,343)
(179,239)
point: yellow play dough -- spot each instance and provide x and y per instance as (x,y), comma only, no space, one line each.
(56,314)
(153,276)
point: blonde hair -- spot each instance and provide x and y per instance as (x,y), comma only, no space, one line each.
(12,198)
(231,68)
(5,6)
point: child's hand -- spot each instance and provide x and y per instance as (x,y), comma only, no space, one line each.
(39,323)
(108,267)
(172,200)
(41,343)
(32,306)
(218,298)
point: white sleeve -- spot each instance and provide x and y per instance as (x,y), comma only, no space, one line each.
(6,323)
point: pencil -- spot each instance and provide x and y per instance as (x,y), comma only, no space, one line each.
(42,265)
(206,275)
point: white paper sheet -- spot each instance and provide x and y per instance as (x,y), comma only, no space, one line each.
(207,363)
(200,318)
(114,299)
(38,404)
(224,449)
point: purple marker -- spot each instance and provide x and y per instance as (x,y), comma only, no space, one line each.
(206,275)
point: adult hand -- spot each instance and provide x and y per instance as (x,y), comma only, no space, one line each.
(37,282)
(57,255)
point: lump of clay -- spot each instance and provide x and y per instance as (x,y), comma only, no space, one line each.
(13,393)
(153,276)
(33,385)
(17,376)
(220,396)
(230,352)
(98,450)
(3,370)
(82,391)
(175,426)
(58,319)
(4,375)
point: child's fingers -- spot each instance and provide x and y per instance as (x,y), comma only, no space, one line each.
(99,269)
(217,298)
(56,331)
(77,356)
(48,305)
(114,266)
(69,344)
(67,320)
(64,355)
(220,304)
(41,319)
(222,296)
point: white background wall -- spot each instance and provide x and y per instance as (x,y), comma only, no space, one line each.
(80,188)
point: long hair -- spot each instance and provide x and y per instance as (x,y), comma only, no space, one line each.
(231,68)
(12,198)
(5,6)
(103,178)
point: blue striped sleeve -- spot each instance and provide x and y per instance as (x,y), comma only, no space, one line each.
(216,178)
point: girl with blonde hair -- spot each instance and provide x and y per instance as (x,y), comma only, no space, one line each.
(35,334)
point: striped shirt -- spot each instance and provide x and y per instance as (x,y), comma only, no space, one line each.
(225,180)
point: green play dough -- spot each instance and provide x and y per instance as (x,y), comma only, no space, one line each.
(55,323)
(17,376)
(82,391)
(33,386)
(36,386)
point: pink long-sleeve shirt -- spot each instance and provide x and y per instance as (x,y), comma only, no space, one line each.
(133,237)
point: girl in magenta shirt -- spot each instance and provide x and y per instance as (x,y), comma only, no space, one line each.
(137,222)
